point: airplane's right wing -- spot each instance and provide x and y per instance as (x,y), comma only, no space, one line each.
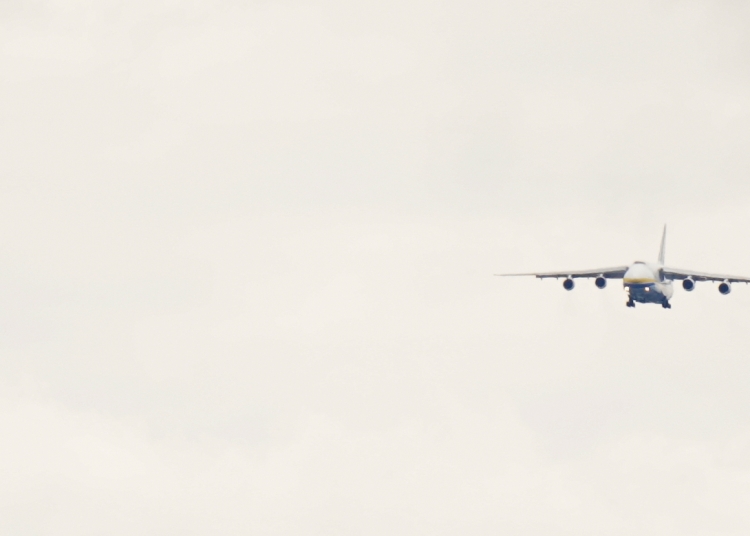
(674,273)
(608,273)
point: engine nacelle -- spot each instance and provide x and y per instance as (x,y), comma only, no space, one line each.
(568,284)
(725,288)
(688,284)
(600,282)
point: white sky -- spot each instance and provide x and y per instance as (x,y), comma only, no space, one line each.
(246,254)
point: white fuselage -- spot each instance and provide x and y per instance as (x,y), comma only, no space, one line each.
(644,282)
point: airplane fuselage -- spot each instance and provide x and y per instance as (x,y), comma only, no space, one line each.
(645,283)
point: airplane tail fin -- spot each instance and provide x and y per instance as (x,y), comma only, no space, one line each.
(663,243)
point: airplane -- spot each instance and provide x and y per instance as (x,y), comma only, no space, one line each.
(643,281)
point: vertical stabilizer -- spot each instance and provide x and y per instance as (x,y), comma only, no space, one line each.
(661,249)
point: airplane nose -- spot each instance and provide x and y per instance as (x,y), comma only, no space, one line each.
(638,274)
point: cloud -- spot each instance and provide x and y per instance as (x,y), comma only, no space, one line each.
(246,258)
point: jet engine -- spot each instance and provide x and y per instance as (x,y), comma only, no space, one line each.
(568,284)
(600,282)
(725,288)
(688,284)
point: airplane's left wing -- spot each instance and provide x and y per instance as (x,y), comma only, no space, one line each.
(608,273)
(674,273)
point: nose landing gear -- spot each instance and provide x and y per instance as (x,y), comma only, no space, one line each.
(630,303)
(666,304)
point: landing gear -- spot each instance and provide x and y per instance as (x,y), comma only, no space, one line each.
(630,303)
(666,304)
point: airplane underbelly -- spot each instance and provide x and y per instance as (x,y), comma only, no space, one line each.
(647,292)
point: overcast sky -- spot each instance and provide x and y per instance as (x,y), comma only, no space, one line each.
(246,258)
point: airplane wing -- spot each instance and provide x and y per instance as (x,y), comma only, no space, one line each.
(674,273)
(609,273)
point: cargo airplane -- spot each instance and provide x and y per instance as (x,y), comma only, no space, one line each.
(644,282)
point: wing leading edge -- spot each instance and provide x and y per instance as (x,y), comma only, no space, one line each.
(677,274)
(608,273)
